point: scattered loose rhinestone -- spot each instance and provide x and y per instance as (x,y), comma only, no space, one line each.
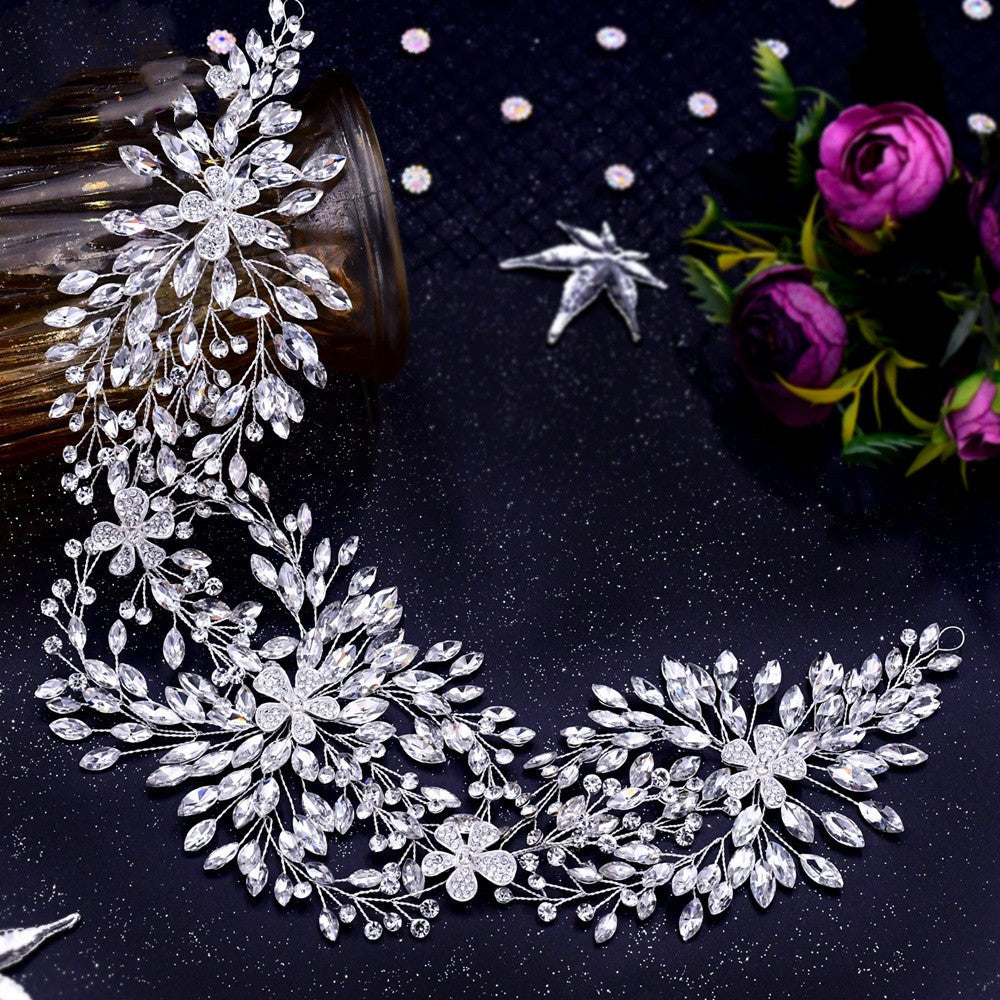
(978,10)
(619,177)
(222,42)
(516,109)
(981,124)
(778,47)
(416,41)
(416,179)
(702,104)
(610,38)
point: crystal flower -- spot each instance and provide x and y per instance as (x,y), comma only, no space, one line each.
(300,702)
(466,839)
(133,533)
(218,210)
(771,761)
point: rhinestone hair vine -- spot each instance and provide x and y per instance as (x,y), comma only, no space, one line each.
(319,755)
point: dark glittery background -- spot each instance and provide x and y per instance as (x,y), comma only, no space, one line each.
(574,513)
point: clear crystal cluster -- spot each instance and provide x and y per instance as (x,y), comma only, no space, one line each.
(202,277)
(674,791)
(333,726)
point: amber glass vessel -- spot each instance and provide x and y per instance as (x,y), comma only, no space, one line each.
(60,172)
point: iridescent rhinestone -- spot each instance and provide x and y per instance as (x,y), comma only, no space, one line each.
(610,38)
(981,124)
(978,10)
(619,177)
(842,4)
(416,179)
(416,41)
(516,109)
(222,42)
(702,104)
(777,46)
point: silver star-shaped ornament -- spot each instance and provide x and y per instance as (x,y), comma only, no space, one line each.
(598,265)
(19,942)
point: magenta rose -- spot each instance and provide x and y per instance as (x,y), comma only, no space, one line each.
(890,160)
(984,210)
(781,325)
(971,421)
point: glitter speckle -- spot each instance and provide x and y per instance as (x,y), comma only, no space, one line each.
(611,38)
(978,10)
(777,46)
(222,42)
(416,179)
(516,109)
(416,41)
(981,124)
(702,104)
(619,177)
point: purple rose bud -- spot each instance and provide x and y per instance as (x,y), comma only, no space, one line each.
(781,325)
(970,419)
(984,211)
(890,160)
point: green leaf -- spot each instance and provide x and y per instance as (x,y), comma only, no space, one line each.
(960,334)
(807,243)
(988,319)
(849,420)
(775,83)
(710,218)
(883,446)
(799,171)
(713,295)
(956,303)
(931,451)
(964,392)
(979,277)
(807,128)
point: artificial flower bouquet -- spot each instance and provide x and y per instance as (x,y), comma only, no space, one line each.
(867,289)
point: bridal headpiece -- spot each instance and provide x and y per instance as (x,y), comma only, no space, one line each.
(300,718)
